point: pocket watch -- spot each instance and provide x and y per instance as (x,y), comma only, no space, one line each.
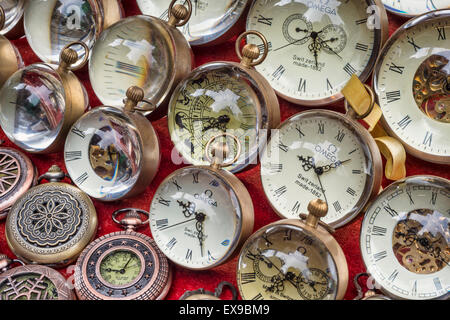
(412,83)
(143,51)
(224,97)
(315,47)
(370,294)
(321,154)
(39,104)
(13,10)
(17,175)
(212,22)
(51,223)
(293,259)
(50,25)
(202,294)
(124,265)
(113,153)
(405,239)
(411,8)
(31,282)
(11,58)
(200,215)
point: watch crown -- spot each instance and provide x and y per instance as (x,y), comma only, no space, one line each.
(69,56)
(135,94)
(251,51)
(180,12)
(318,208)
(4,262)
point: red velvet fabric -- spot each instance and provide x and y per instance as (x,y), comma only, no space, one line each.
(183,280)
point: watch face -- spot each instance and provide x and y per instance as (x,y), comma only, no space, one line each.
(414,7)
(32,107)
(120,267)
(28,286)
(50,25)
(319,154)
(103,153)
(13,13)
(405,238)
(209,20)
(195,218)
(286,262)
(136,51)
(412,81)
(215,99)
(316,47)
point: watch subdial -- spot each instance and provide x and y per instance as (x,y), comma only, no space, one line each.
(332,39)
(314,284)
(296,29)
(431,87)
(264,268)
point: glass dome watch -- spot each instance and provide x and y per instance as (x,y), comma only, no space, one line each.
(51,223)
(412,8)
(222,97)
(50,25)
(124,265)
(13,10)
(200,215)
(293,259)
(202,294)
(412,83)
(39,104)
(212,21)
(113,153)
(405,239)
(31,282)
(315,47)
(142,51)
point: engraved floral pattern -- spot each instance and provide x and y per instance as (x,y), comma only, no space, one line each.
(49,217)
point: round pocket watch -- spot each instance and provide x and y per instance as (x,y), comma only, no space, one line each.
(293,259)
(31,282)
(124,265)
(224,97)
(212,21)
(113,153)
(405,239)
(39,104)
(200,215)
(202,294)
(315,47)
(50,25)
(17,175)
(141,51)
(321,154)
(412,8)
(51,223)
(13,10)
(412,83)
(11,58)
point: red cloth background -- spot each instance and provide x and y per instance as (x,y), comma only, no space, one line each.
(183,280)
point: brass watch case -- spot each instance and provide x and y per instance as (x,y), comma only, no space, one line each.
(11,60)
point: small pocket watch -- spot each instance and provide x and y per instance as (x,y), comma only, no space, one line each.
(224,97)
(39,104)
(405,239)
(31,282)
(202,294)
(113,153)
(142,51)
(293,259)
(200,215)
(124,265)
(51,223)
(50,25)
(17,175)
(412,8)
(13,10)
(412,83)
(212,21)
(316,46)
(321,154)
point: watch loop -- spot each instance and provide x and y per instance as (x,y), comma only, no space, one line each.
(250,52)
(132,219)
(54,174)
(68,57)
(135,95)
(216,161)
(219,290)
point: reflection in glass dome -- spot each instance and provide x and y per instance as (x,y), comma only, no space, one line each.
(32,107)
(13,12)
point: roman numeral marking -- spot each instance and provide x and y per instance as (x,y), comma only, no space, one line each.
(78,132)
(329,86)
(261,47)
(389,210)
(362,21)
(264,20)
(437,284)
(337,206)
(408,192)
(380,256)
(349,69)
(280,191)
(82,178)
(72,155)
(340,136)
(296,207)
(258,297)
(210,256)
(393,96)
(189,254)
(300,133)
(434,195)
(279,72)
(248,277)
(321,128)
(275,167)
(302,85)
(356,171)
(395,68)
(393,276)
(164,202)
(171,243)
(283,147)
(195,177)
(175,182)
(441,33)
(428,139)
(351,192)
(161,223)
(414,289)
(362,47)
(406,121)
(411,41)
(379,231)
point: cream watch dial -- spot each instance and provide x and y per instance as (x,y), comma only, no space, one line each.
(315,47)
(210,19)
(405,238)
(317,154)
(412,81)
(414,7)
(195,218)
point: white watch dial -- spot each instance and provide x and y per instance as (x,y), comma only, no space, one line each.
(195,218)
(317,155)
(414,7)
(314,48)
(405,238)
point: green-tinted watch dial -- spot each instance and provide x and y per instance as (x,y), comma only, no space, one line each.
(120,267)
(28,286)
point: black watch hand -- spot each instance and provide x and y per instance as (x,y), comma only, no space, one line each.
(325,45)
(296,41)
